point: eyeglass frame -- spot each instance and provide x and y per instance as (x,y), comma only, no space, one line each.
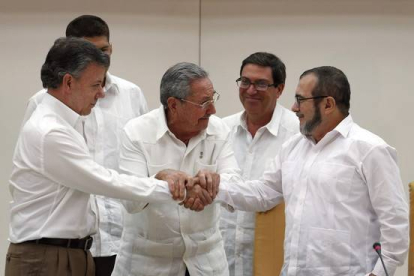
(254,84)
(299,99)
(205,104)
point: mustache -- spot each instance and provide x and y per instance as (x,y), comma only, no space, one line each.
(300,115)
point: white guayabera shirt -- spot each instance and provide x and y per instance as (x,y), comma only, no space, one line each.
(342,195)
(252,155)
(53,176)
(163,239)
(123,101)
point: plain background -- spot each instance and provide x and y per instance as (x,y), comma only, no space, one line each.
(372,41)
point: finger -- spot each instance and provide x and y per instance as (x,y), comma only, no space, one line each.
(197,206)
(207,198)
(189,203)
(182,181)
(209,184)
(190,182)
(202,179)
(171,187)
(216,184)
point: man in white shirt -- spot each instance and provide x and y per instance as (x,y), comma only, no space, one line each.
(257,134)
(341,185)
(123,101)
(51,214)
(166,239)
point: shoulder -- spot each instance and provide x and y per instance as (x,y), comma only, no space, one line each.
(233,120)
(143,125)
(289,121)
(124,84)
(218,128)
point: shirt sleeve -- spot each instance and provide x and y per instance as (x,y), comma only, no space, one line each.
(254,195)
(132,161)
(68,163)
(390,204)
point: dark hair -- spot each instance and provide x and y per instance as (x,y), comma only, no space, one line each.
(332,82)
(268,60)
(87,26)
(70,55)
(177,80)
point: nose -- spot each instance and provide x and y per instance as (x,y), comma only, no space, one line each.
(295,107)
(211,109)
(251,90)
(101,93)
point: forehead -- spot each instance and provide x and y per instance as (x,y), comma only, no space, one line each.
(93,72)
(98,41)
(201,88)
(256,72)
(306,85)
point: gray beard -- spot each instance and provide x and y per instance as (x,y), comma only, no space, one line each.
(309,126)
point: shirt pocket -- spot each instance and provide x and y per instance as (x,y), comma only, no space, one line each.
(328,249)
(334,182)
(201,166)
(155,168)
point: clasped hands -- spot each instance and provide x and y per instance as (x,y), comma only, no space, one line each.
(195,192)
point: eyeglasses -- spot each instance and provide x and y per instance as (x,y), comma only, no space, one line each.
(245,83)
(206,104)
(299,99)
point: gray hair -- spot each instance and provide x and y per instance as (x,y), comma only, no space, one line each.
(177,80)
(70,55)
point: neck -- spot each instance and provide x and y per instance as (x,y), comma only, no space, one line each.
(255,121)
(327,126)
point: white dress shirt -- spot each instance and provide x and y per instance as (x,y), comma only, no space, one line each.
(342,195)
(53,176)
(123,101)
(252,155)
(163,239)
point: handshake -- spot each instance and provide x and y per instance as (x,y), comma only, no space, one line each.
(195,192)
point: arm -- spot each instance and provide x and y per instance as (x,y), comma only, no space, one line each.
(388,199)
(254,195)
(68,163)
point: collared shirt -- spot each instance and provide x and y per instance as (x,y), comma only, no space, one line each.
(252,154)
(53,176)
(163,239)
(342,195)
(123,101)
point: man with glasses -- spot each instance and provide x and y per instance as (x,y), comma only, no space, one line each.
(163,239)
(341,185)
(257,134)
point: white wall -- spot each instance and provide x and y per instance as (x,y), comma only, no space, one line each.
(370,40)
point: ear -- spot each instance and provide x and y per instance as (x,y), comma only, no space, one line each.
(67,83)
(110,49)
(330,105)
(280,88)
(172,105)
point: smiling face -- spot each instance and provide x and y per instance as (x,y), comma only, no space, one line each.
(193,118)
(259,103)
(87,89)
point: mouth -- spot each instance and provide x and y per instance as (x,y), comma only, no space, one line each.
(300,115)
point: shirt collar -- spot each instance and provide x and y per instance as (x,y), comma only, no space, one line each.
(67,114)
(345,126)
(272,126)
(342,128)
(109,83)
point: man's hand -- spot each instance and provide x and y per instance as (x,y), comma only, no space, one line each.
(209,181)
(177,181)
(197,198)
